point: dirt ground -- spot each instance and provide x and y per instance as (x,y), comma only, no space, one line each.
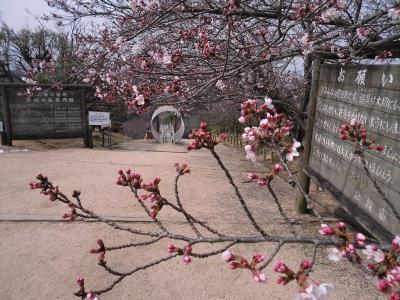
(41,256)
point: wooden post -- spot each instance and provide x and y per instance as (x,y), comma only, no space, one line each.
(102,139)
(87,134)
(109,137)
(301,204)
(7,139)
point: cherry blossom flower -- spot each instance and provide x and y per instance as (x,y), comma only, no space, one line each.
(372,252)
(326,230)
(220,85)
(259,277)
(293,151)
(92,296)
(242,119)
(252,176)
(316,292)
(362,32)
(227,256)
(360,238)
(268,102)
(330,14)
(340,4)
(335,254)
(394,13)
(396,241)
(167,59)
(140,100)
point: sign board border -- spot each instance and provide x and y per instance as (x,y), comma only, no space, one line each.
(8,136)
(359,215)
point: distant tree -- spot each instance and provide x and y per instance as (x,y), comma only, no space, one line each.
(32,51)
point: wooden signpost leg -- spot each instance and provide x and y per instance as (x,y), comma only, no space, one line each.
(87,131)
(7,118)
(301,204)
(109,138)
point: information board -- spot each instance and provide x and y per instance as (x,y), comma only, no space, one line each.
(99,118)
(371,95)
(49,113)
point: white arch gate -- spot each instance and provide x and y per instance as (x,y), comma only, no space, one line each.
(167,125)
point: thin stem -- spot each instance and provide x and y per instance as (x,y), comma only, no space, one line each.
(238,194)
(178,201)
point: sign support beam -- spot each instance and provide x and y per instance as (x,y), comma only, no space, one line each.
(301,204)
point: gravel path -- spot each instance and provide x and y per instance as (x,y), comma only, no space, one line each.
(41,256)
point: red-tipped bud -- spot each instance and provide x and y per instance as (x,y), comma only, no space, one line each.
(306,264)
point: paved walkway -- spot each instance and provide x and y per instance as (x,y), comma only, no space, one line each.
(41,256)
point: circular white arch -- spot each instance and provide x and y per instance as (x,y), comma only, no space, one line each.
(162,109)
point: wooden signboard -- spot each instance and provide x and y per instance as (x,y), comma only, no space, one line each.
(49,113)
(371,95)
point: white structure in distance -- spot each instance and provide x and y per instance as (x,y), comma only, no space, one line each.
(167,125)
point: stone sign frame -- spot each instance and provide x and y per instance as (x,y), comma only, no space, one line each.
(371,94)
(48,102)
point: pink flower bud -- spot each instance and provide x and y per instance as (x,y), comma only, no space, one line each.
(344,127)
(227,256)
(257,258)
(350,249)
(171,248)
(341,225)
(234,265)
(394,296)
(282,280)
(383,285)
(186,259)
(156,180)
(278,168)
(280,267)
(261,182)
(326,230)
(360,238)
(80,281)
(306,264)
(252,176)
(203,125)
(353,122)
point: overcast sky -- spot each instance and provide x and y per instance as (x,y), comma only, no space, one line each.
(15,12)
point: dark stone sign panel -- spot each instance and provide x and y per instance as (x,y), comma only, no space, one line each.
(371,95)
(48,114)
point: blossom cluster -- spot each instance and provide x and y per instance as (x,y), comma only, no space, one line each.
(238,262)
(47,188)
(355,132)
(262,180)
(383,265)
(82,293)
(202,138)
(100,251)
(309,289)
(272,125)
(182,169)
(185,252)
(135,181)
